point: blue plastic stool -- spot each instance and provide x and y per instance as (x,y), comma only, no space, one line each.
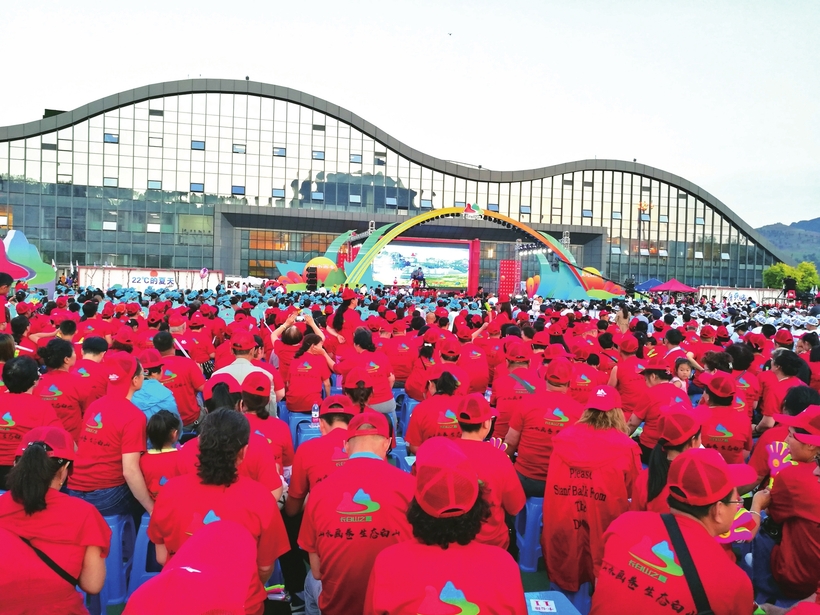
(399,395)
(140,573)
(406,412)
(336,391)
(581,599)
(306,431)
(294,420)
(120,560)
(528,534)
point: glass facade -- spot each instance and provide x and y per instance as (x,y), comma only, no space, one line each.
(139,185)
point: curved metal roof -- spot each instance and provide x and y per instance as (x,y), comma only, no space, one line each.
(233,86)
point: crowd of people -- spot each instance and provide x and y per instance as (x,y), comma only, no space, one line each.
(675,448)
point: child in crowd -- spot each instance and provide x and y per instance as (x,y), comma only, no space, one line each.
(161,463)
(683,371)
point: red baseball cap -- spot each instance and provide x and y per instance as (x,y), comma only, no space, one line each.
(23,308)
(708,332)
(122,367)
(341,404)
(701,477)
(808,420)
(56,438)
(722,332)
(243,341)
(233,385)
(720,384)
(542,338)
(473,409)
(154,318)
(678,423)
(604,398)
(150,359)
(655,364)
(465,334)
(784,336)
(355,375)
(257,383)
(555,351)
(451,348)
(176,320)
(503,297)
(559,371)
(399,325)
(125,336)
(431,336)
(516,351)
(628,344)
(581,351)
(756,340)
(368,423)
(494,328)
(446,483)
(348,294)
(441,312)
(374,323)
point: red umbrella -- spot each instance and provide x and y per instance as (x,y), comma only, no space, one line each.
(673,286)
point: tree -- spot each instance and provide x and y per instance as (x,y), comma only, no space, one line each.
(773,276)
(805,274)
(806,277)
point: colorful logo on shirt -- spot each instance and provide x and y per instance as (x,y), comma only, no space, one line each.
(647,555)
(162,481)
(640,367)
(722,433)
(678,399)
(447,419)
(168,374)
(9,421)
(305,367)
(475,354)
(743,384)
(210,517)
(434,601)
(556,417)
(259,433)
(584,379)
(52,392)
(83,373)
(524,386)
(339,456)
(356,509)
(97,422)
(403,347)
(739,403)
(372,367)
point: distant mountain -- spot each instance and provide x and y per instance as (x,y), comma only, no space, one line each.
(799,240)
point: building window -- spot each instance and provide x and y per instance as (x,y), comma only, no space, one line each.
(724,256)
(109,226)
(197,144)
(616,215)
(317,196)
(460,204)
(646,188)
(197,187)
(616,250)
(238,190)
(64,144)
(63,222)
(52,146)
(644,252)
(663,218)
(319,127)
(699,255)
(492,207)
(380,162)
(154,141)
(64,179)
(586,213)
(645,218)
(587,184)
(318,155)
(154,184)
(391,200)
(110,182)
(663,253)
(280,151)
(567,182)
(4,220)
(356,158)
(427,204)
(681,195)
(111,138)
(526,209)
(699,221)
(278,193)
(153,228)
(238,148)
(156,112)
(356,198)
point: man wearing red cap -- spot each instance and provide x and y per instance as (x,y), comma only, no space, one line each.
(584,376)
(644,570)
(436,414)
(242,345)
(533,427)
(182,376)
(520,386)
(353,515)
(626,376)
(775,384)
(725,430)
(493,467)
(473,360)
(444,567)
(794,504)
(450,350)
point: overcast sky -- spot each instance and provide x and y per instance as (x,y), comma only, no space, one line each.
(724,94)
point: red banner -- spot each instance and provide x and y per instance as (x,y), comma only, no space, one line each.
(509,276)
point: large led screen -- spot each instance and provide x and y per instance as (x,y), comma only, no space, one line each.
(443,265)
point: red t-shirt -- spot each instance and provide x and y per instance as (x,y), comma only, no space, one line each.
(631,384)
(649,410)
(589,483)
(538,424)
(415,385)
(357,512)
(185,505)
(378,366)
(729,432)
(158,467)
(520,388)
(93,379)
(641,573)
(277,434)
(796,504)
(584,378)
(435,416)
(640,493)
(315,460)
(774,391)
(112,427)
(285,354)
(502,489)
(62,391)
(259,463)
(304,383)
(475,578)
(759,459)
(63,531)
(278,383)
(184,378)
(749,386)
(473,360)
(20,414)
(400,354)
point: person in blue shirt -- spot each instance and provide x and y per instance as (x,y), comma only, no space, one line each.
(154,396)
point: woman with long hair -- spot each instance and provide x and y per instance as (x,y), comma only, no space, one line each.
(377,365)
(309,375)
(436,415)
(346,319)
(680,429)
(415,386)
(6,352)
(593,462)
(254,405)
(34,515)
(60,388)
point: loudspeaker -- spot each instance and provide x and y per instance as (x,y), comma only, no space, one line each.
(311,279)
(789,284)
